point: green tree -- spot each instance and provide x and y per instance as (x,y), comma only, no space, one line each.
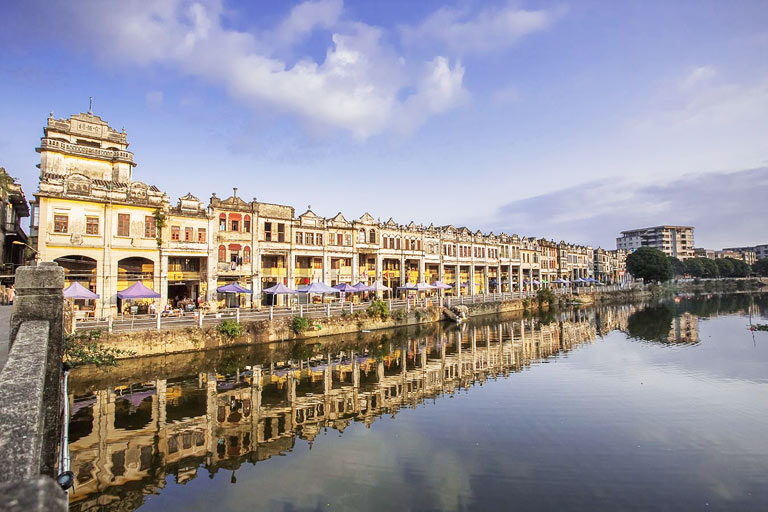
(678,266)
(6,182)
(760,267)
(740,268)
(710,268)
(651,323)
(650,265)
(724,267)
(694,267)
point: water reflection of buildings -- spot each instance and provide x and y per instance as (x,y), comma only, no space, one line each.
(685,329)
(125,441)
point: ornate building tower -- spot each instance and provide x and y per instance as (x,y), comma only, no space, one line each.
(85,144)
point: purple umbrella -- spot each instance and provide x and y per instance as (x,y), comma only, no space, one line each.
(136,398)
(345,287)
(138,291)
(232,288)
(279,289)
(362,287)
(441,285)
(378,286)
(78,291)
(317,287)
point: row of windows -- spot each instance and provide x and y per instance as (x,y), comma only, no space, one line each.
(235,256)
(371,236)
(274,232)
(340,239)
(390,242)
(309,238)
(61,225)
(235,222)
(189,234)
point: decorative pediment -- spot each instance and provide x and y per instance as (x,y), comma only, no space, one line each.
(310,218)
(190,203)
(391,223)
(309,214)
(234,202)
(138,189)
(189,197)
(78,184)
(338,220)
(367,219)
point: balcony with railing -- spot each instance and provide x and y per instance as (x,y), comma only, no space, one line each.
(342,274)
(74,149)
(274,272)
(184,276)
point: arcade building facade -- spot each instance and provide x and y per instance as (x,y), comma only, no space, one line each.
(109,230)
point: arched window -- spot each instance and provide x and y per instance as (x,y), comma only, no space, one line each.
(372,236)
(222,253)
(223,222)
(361,236)
(247,254)
(247,224)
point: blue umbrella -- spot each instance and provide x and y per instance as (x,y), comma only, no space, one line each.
(345,287)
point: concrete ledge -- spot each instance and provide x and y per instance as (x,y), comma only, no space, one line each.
(22,407)
(41,493)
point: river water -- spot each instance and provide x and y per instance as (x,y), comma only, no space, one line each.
(632,407)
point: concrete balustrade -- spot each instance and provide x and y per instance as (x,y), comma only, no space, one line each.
(30,393)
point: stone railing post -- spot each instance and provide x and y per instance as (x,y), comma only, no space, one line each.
(39,297)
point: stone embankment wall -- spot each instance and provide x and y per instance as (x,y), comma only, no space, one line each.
(30,394)
(152,343)
(147,343)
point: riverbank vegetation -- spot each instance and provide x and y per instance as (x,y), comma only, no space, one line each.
(83,347)
(653,266)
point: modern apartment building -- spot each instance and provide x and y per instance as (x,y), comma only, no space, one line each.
(751,254)
(701,252)
(674,241)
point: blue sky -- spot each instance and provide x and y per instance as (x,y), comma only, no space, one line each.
(558,119)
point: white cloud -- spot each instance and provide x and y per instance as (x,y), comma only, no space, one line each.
(357,86)
(306,17)
(695,77)
(725,208)
(488,30)
(700,121)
